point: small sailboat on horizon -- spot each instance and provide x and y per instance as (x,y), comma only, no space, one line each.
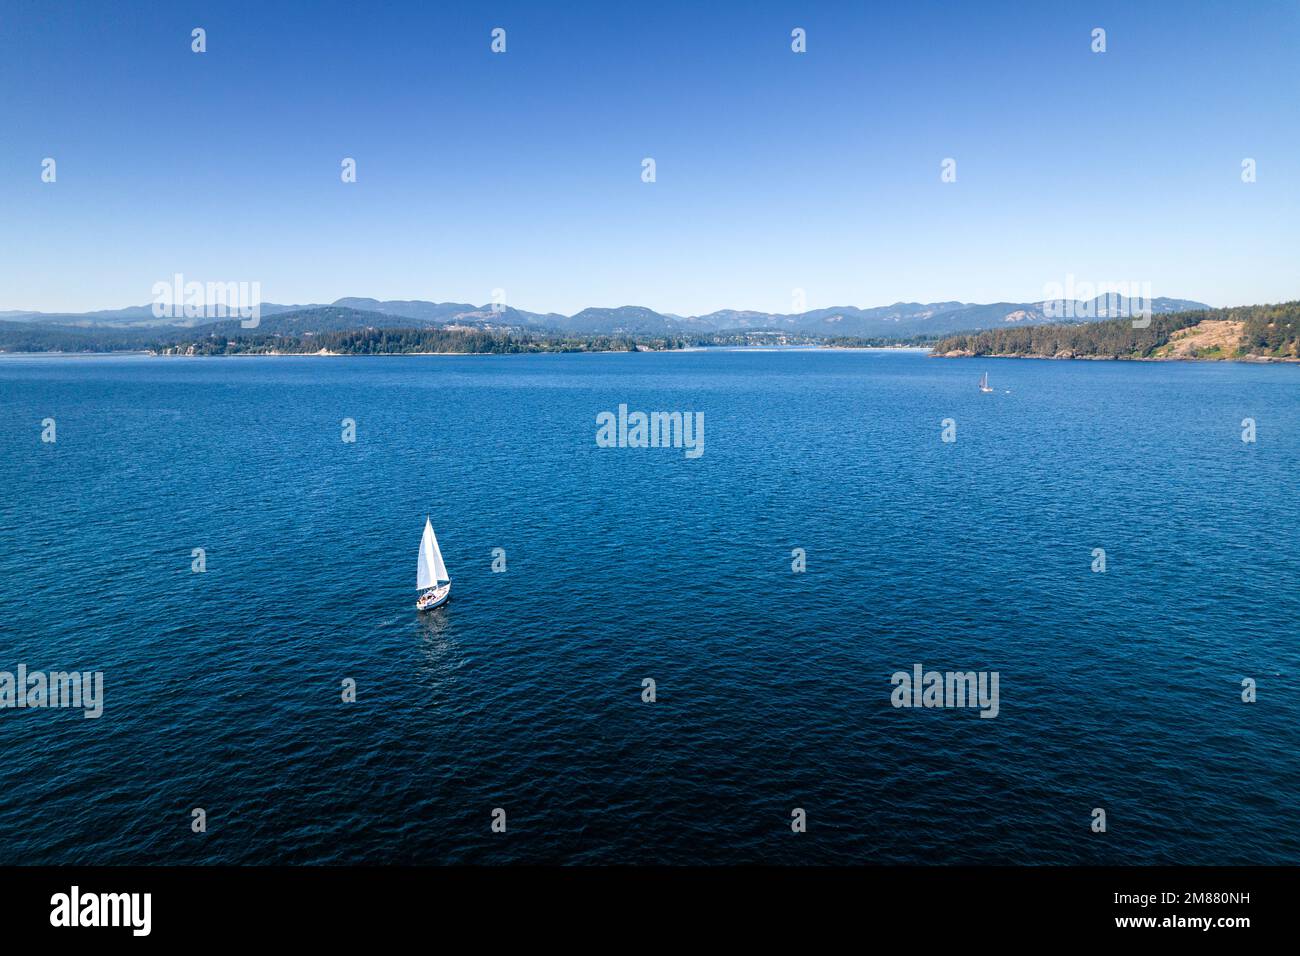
(431,580)
(984,383)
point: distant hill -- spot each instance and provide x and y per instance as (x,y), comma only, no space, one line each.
(315,319)
(460,313)
(136,316)
(900,320)
(47,336)
(627,318)
(1252,332)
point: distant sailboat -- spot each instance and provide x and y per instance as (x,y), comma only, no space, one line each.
(984,383)
(432,580)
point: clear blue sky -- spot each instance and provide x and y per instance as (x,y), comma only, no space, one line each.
(523,170)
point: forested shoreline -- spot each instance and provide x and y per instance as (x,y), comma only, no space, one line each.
(1255,332)
(230,339)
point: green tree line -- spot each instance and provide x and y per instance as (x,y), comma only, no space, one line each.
(230,339)
(1267,330)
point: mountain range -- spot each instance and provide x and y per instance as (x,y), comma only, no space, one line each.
(901,320)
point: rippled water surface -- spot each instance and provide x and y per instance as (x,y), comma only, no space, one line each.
(1119,690)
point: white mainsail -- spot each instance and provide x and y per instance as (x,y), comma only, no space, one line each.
(432,570)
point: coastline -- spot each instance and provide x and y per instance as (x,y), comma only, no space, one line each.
(1243,359)
(325,353)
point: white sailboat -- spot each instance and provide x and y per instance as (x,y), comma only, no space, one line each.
(984,383)
(432,580)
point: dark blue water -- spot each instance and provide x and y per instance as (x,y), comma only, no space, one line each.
(1119,690)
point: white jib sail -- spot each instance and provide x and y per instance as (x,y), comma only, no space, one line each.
(431,570)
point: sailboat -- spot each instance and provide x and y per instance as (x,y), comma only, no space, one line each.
(432,580)
(984,383)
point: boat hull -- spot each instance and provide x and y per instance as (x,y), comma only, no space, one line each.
(434,598)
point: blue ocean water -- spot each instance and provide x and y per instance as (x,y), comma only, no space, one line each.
(1120,690)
